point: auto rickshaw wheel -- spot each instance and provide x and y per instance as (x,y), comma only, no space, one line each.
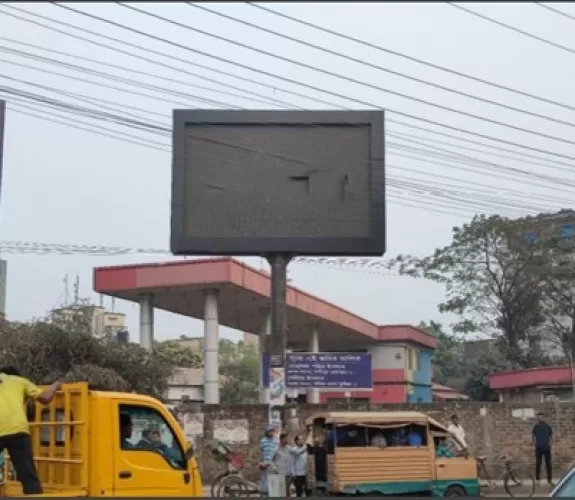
(455,491)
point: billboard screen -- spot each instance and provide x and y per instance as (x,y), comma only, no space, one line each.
(301,182)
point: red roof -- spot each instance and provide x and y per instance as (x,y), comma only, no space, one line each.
(445,393)
(244,292)
(548,375)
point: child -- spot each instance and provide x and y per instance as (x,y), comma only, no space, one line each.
(299,465)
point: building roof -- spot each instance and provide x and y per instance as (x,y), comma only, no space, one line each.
(533,377)
(446,393)
(244,296)
(373,417)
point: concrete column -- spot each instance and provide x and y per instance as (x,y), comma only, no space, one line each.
(265,331)
(211,347)
(313,394)
(147,321)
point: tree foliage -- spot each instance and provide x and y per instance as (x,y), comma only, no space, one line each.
(45,352)
(239,372)
(447,360)
(487,274)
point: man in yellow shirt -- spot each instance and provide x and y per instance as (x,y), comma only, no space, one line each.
(14,428)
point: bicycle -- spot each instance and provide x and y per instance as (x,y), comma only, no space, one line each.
(230,482)
(511,475)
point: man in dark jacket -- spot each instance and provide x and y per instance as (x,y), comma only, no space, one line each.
(542,434)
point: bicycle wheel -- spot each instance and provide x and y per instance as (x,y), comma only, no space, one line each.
(216,483)
(519,481)
(233,486)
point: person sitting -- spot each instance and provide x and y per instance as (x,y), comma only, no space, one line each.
(125,431)
(145,443)
(442,450)
(156,440)
(414,437)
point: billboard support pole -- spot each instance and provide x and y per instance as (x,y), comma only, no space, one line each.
(278,336)
(278,341)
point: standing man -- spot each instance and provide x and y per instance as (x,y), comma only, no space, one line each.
(283,461)
(457,430)
(268,447)
(14,428)
(542,434)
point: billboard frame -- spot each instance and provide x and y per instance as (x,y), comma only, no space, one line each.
(373,245)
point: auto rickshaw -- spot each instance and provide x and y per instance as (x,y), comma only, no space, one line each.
(387,453)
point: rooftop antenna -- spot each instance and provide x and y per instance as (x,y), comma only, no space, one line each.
(66,291)
(77,290)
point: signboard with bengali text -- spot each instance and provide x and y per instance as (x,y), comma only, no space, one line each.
(335,370)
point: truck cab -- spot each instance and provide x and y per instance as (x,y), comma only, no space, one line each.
(83,447)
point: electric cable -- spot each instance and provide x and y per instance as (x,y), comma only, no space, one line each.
(443,125)
(513,28)
(410,58)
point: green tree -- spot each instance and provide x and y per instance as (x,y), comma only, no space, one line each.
(45,352)
(239,372)
(557,280)
(447,360)
(171,352)
(489,284)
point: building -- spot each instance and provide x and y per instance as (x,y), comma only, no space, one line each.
(444,393)
(551,383)
(101,323)
(227,292)
(186,384)
(195,344)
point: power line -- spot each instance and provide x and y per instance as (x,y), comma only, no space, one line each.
(313,68)
(513,28)
(101,74)
(463,202)
(368,64)
(410,58)
(116,66)
(113,77)
(152,61)
(79,68)
(561,13)
(471,141)
(440,124)
(165,131)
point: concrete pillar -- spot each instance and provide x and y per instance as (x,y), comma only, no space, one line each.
(211,348)
(147,321)
(265,331)
(313,394)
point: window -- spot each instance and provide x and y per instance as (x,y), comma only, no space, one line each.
(150,433)
(415,362)
(59,431)
(409,358)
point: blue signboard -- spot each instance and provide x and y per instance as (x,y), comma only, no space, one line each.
(328,370)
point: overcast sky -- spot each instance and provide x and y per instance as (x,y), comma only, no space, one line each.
(65,185)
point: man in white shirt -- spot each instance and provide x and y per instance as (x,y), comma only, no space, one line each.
(456,429)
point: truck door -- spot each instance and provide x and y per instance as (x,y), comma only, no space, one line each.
(148,458)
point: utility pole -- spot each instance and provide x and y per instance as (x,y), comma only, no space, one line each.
(3,263)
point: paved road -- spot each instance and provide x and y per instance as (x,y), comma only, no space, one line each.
(497,492)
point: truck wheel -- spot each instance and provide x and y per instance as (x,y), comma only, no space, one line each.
(455,491)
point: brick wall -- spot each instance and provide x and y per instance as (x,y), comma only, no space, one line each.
(491,428)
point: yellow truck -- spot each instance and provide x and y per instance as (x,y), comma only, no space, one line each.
(96,443)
